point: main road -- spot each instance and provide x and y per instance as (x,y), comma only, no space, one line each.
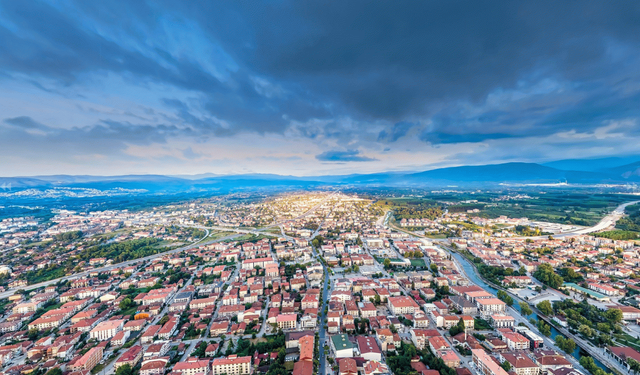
(604,223)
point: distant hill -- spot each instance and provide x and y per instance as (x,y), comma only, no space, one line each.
(480,175)
(507,172)
(626,172)
(592,165)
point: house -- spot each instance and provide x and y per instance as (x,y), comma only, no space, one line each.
(131,357)
(342,347)
(219,328)
(385,338)
(622,354)
(306,348)
(518,281)
(520,363)
(502,321)
(402,305)
(88,361)
(375,368)
(485,364)
(211,349)
(287,321)
(367,310)
(106,330)
(192,367)
(120,338)
(154,366)
(303,368)
(490,306)
(309,301)
(232,365)
(157,349)
(369,348)
(150,333)
(550,360)
(515,341)
(420,337)
(347,366)
(309,321)
(292,339)
(629,313)
(464,305)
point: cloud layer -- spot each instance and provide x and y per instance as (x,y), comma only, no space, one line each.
(296,86)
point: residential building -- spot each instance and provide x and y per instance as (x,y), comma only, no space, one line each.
(232,365)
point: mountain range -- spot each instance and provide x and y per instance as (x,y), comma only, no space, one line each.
(586,171)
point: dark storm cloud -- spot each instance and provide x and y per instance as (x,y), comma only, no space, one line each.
(398,131)
(106,137)
(400,64)
(343,156)
(385,59)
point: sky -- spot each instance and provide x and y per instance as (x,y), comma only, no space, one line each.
(313,88)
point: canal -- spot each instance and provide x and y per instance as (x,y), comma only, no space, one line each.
(475,278)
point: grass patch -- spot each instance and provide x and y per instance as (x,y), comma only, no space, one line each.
(626,339)
(217,235)
(289,365)
(418,263)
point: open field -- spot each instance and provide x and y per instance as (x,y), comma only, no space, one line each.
(576,207)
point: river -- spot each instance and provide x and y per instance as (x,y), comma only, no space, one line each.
(473,276)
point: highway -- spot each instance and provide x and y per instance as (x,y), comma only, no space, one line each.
(605,222)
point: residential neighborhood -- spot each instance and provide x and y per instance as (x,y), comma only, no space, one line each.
(333,287)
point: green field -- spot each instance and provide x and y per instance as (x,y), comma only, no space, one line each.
(576,206)
(418,263)
(217,235)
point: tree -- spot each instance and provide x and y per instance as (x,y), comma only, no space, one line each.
(547,276)
(633,365)
(506,366)
(603,327)
(525,309)
(544,328)
(458,328)
(387,263)
(125,369)
(522,271)
(317,241)
(125,304)
(545,307)
(565,344)
(434,267)
(164,320)
(505,297)
(613,316)
(585,331)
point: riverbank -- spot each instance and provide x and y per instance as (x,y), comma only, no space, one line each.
(472,273)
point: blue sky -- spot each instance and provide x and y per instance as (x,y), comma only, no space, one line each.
(303,88)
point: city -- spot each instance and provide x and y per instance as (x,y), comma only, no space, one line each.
(314,283)
(297,187)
